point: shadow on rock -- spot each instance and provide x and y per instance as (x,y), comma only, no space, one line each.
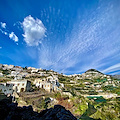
(10,111)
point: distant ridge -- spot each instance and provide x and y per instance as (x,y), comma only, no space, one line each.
(116,76)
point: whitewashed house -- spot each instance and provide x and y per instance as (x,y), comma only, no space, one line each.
(49,83)
(42,83)
(20,85)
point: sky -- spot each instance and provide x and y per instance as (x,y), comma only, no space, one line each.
(67,36)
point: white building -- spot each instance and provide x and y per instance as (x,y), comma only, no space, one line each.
(41,73)
(49,83)
(14,73)
(43,84)
(31,68)
(20,85)
(34,70)
(62,85)
(1,74)
(6,88)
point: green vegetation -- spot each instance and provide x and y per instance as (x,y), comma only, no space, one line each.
(5,72)
(93,107)
(117,91)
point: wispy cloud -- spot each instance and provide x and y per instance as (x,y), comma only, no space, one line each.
(88,46)
(112,68)
(34,31)
(115,73)
(0,47)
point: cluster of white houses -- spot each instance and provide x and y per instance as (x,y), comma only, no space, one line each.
(17,72)
(49,84)
(47,80)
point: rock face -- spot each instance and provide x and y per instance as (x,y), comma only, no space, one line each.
(10,111)
(57,113)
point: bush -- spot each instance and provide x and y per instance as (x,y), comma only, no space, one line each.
(57,95)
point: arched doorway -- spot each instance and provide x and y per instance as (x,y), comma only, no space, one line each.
(22,89)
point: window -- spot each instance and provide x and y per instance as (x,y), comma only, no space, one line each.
(48,85)
(45,85)
(23,84)
(18,84)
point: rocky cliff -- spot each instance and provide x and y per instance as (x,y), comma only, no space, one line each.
(10,111)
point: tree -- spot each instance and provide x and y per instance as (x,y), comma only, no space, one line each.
(25,68)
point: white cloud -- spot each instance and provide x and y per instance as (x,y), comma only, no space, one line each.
(0,47)
(3,25)
(7,33)
(112,68)
(34,31)
(13,37)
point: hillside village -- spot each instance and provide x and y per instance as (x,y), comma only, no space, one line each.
(19,79)
(32,86)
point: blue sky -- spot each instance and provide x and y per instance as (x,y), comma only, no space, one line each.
(68,36)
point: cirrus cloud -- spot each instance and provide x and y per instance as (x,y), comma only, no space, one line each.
(112,68)
(34,31)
